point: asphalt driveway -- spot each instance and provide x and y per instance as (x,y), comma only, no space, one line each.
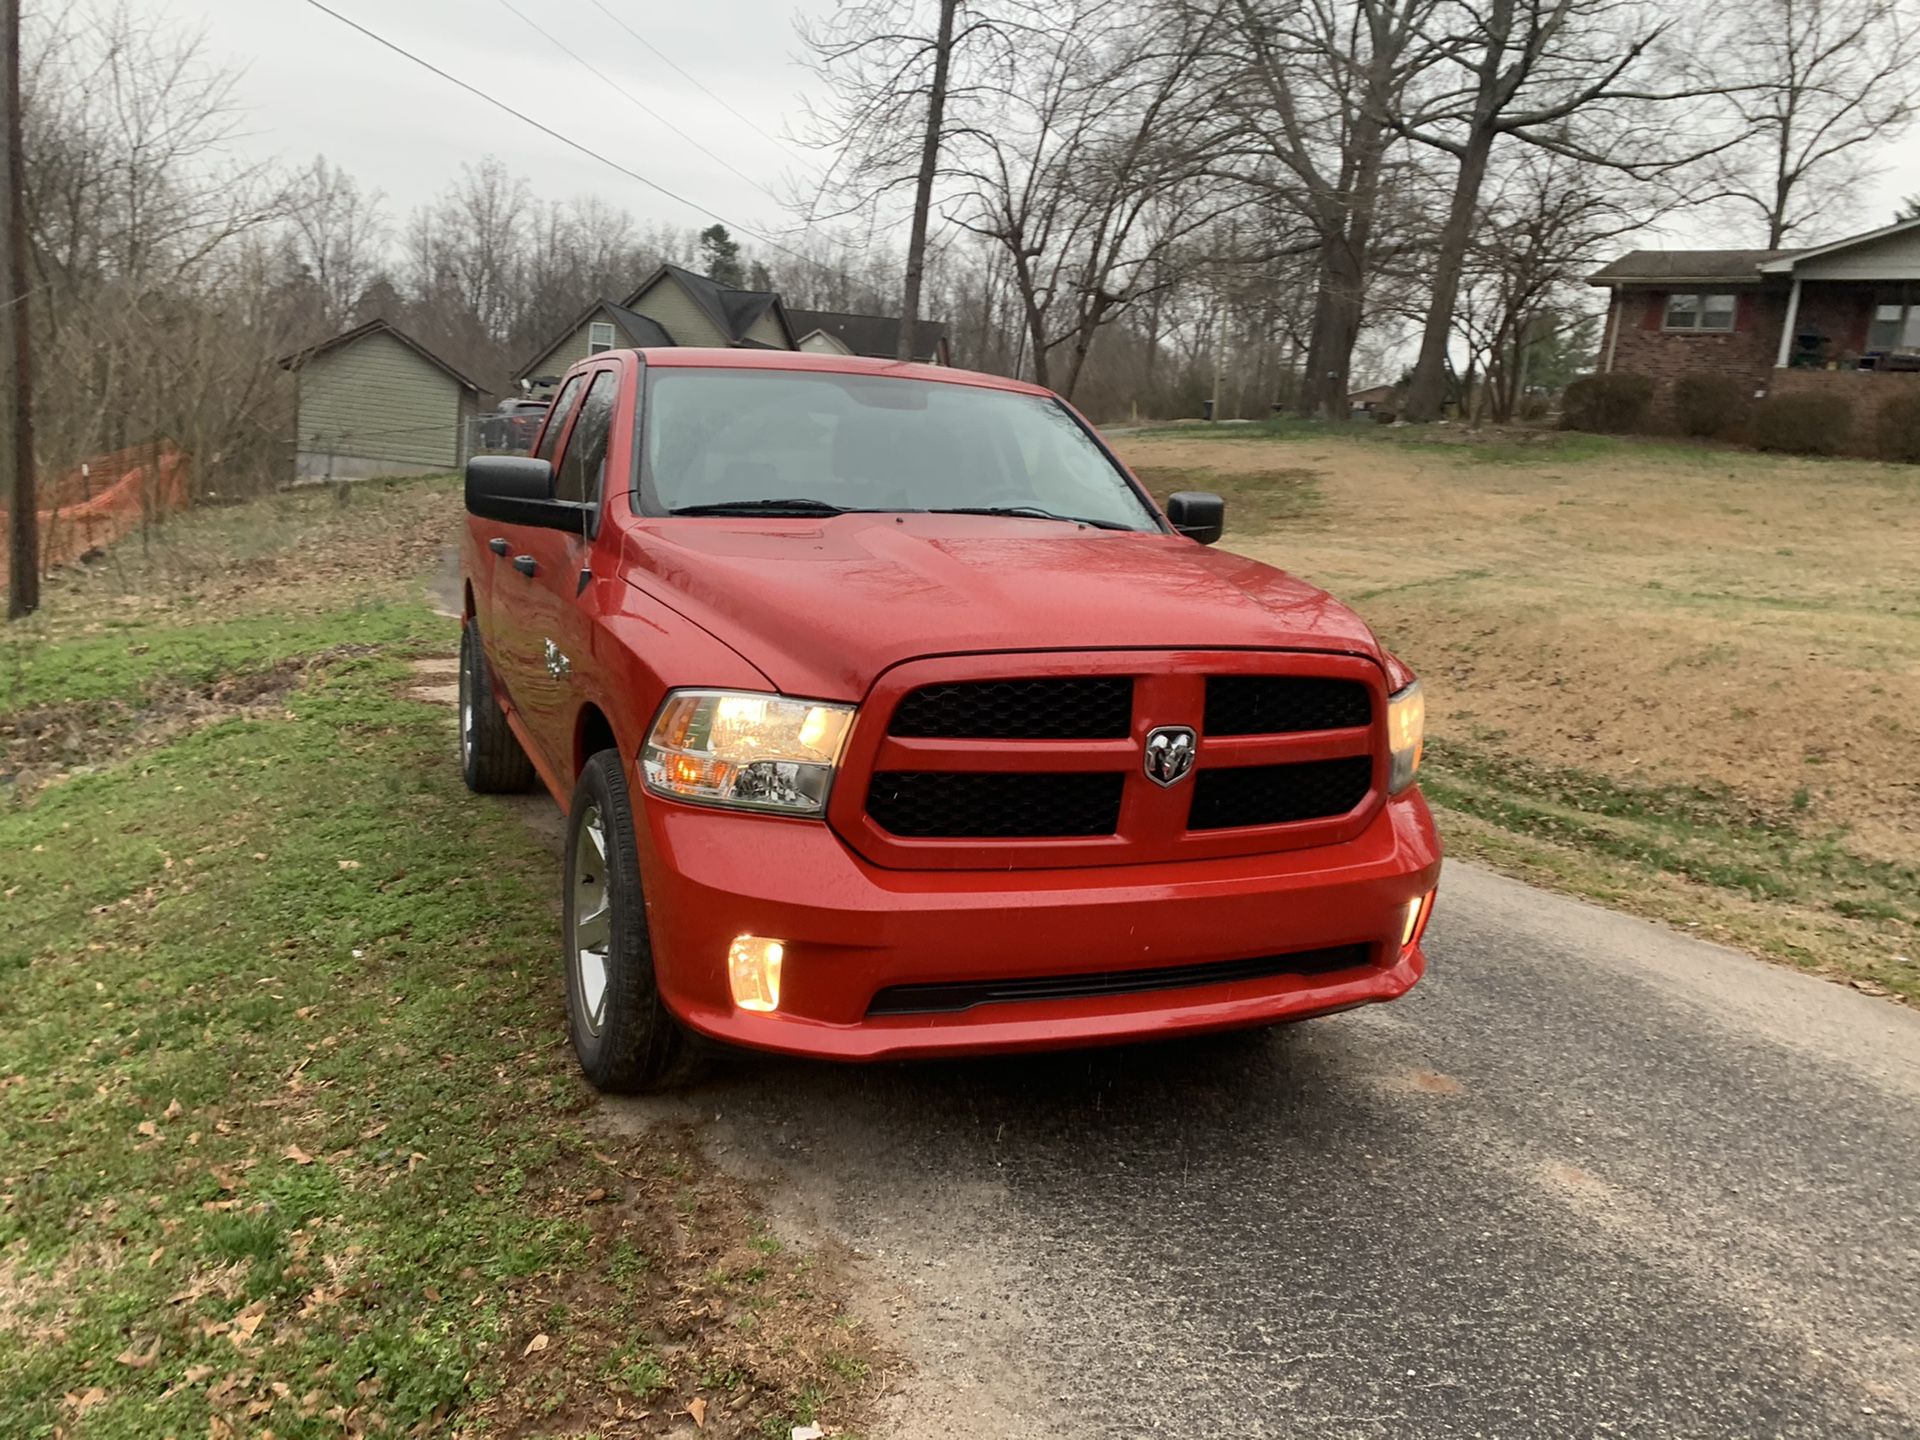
(1590,1178)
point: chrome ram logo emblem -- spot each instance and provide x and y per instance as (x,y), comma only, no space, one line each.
(1170,751)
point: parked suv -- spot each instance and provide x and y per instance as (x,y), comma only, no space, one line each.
(892,718)
(514,426)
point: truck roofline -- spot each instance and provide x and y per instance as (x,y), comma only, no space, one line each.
(693,357)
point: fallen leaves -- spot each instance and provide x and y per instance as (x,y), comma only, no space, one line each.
(297,1155)
(697,1409)
(536,1345)
(139,1359)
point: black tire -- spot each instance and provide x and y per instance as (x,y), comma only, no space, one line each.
(637,1044)
(491,760)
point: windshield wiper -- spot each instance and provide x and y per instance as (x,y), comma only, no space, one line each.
(1031,512)
(801,505)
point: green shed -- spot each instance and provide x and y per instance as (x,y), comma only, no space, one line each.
(374,401)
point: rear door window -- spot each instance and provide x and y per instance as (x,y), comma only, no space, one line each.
(557,418)
(584,468)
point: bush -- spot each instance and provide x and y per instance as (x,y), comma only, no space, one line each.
(1896,429)
(1803,424)
(1713,406)
(1610,404)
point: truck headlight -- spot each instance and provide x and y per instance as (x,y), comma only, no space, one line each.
(746,751)
(1406,735)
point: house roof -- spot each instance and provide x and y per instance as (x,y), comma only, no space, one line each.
(733,312)
(361,332)
(1786,260)
(876,335)
(641,329)
(1642,267)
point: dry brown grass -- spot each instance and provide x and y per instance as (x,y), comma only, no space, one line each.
(1657,616)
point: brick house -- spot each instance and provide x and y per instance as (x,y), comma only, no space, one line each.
(1838,317)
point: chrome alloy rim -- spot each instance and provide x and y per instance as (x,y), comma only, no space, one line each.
(466,709)
(591,927)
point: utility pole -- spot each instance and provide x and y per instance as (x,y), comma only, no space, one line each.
(16,354)
(923,188)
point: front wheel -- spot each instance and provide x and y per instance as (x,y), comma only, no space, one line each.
(622,1032)
(491,760)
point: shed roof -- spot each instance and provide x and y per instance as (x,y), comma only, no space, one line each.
(876,335)
(361,332)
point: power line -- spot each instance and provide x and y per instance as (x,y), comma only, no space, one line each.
(554,134)
(719,100)
(631,98)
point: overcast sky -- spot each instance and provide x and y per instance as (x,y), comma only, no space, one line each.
(313,86)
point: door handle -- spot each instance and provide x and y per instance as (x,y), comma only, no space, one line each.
(524,564)
(497,545)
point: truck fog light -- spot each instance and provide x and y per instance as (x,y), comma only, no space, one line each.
(1418,909)
(753,970)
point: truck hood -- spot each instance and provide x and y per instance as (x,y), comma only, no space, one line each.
(823,607)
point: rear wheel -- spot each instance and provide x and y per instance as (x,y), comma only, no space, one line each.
(491,760)
(622,1032)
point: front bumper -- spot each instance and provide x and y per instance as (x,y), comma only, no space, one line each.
(852,929)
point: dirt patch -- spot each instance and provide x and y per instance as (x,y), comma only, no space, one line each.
(436,680)
(50,743)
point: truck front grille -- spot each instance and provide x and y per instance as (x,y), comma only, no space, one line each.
(936,999)
(967,805)
(1278,794)
(1283,704)
(1074,707)
(1038,760)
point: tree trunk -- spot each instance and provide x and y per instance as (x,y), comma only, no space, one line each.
(1427,391)
(923,188)
(1338,307)
(1083,342)
(16,354)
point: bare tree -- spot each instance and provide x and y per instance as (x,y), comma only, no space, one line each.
(148,239)
(1094,174)
(1566,75)
(336,239)
(1315,85)
(1816,87)
(900,86)
(1546,222)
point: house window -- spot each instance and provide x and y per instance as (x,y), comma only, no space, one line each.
(1696,311)
(1895,327)
(599,336)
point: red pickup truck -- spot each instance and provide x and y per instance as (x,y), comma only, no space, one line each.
(892,718)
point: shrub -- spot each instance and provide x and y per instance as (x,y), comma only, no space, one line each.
(1385,417)
(1711,405)
(1803,424)
(1611,404)
(1896,429)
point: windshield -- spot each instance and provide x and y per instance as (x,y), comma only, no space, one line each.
(863,442)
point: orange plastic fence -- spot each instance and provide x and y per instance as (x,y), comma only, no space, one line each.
(91,506)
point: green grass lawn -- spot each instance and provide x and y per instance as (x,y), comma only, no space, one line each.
(290,1137)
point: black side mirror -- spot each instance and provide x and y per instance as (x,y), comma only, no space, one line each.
(518,489)
(1197,515)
